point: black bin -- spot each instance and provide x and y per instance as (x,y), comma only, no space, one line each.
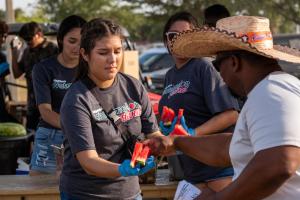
(10,149)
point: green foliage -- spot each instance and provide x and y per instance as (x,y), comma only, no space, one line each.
(144,19)
(37,16)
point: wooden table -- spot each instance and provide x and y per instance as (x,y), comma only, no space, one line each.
(23,187)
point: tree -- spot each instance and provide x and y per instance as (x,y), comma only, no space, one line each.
(57,10)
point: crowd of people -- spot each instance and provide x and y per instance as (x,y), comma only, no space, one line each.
(240,109)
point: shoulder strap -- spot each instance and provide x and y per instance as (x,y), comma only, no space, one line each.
(115,120)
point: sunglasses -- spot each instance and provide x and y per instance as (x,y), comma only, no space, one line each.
(223,56)
(170,35)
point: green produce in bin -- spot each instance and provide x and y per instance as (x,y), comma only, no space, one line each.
(11,129)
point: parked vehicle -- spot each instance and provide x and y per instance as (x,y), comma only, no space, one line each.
(154,63)
(293,41)
(154,67)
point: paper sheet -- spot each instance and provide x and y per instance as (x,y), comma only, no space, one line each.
(186,191)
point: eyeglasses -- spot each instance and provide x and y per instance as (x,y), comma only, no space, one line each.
(223,56)
(170,35)
(217,62)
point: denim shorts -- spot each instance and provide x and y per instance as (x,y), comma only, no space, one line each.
(226,172)
(65,196)
(43,158)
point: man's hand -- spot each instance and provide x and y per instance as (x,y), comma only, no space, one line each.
(161,145)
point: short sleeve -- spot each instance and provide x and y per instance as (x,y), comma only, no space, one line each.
(76,125)
(42,84)
(273,118)
(148,118)
(216,93)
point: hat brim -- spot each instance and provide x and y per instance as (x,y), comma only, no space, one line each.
(208,42)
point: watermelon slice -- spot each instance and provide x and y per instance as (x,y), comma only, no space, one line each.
(143,156)
(167,115)
(138,147)
(179,130)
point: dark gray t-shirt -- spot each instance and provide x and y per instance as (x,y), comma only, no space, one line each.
(199,90)
(86,127)
(51,80)
(32,56)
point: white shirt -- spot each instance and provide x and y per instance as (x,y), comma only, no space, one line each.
(269,118)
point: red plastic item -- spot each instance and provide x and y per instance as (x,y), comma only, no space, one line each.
(179,130)
(154,99)
(138,147)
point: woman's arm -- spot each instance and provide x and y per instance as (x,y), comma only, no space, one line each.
(218,123)
(48,115)
(96,166)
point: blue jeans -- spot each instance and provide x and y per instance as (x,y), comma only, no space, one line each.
(43,158)
(227,172)
(65,196)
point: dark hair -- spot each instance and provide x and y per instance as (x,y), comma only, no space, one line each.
(91,32)
(70,22)
(180,16)
(28,30)
(213,13)
(3,27)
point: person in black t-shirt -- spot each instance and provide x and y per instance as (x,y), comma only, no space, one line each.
(51,78)
(38,48)
(194,85)
(96,160)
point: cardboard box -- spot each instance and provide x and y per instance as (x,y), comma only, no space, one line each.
(130,64)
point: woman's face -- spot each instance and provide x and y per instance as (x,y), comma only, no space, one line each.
(105,59)
(178,27)
(71,44)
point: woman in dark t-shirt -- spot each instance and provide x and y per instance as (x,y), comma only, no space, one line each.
(195,86)
(100,114)
(51,79)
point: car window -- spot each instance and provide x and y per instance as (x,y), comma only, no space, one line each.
(165,61)
(148,61)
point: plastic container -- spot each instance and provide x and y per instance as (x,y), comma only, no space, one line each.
(11,148)
(176,171)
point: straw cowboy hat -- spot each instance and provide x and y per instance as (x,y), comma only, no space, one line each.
(248,33)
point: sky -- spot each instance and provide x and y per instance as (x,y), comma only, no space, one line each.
(23,4)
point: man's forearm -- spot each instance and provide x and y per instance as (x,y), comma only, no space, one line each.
(211,149)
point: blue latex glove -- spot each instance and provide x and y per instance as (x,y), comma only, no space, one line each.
(190,131)
(126,170)
(167,130)
(150,164)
